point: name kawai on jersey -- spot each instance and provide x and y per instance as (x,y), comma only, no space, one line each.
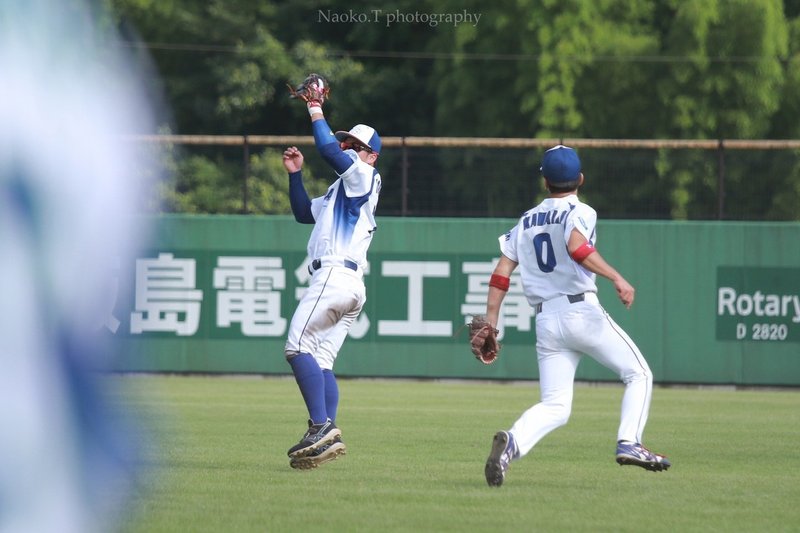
(548,217)
(730,302)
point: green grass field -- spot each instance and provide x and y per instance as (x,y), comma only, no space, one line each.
(416,450)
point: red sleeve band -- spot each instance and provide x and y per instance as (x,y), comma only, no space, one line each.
(583,251)
(500,282)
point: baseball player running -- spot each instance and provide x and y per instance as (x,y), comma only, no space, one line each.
(343,228)
(554,246)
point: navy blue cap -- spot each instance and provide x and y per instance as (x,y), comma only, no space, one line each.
(561,165)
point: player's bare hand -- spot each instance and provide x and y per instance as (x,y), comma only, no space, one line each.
(625,291)
(292,159)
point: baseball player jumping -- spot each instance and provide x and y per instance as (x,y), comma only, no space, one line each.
(554,246)
(344,224)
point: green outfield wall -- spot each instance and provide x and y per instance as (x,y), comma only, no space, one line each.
(716,302)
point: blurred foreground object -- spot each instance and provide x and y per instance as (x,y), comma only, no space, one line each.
(66,195)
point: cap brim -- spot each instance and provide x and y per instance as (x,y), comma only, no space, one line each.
(342,136)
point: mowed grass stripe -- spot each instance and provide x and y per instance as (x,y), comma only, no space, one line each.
(415,455)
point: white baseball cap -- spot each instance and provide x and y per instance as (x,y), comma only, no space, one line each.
(364,135)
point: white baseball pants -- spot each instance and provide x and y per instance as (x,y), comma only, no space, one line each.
(565,332)
(330,305)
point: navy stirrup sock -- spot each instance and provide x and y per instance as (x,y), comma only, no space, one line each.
(331,393)
(309,378)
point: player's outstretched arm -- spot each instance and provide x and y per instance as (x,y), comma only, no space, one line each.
(625,291)
(314,91)
(589,258)
(328,146)
(498,286)
(298,196)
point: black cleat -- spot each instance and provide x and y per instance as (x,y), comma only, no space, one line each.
(323,454)
(504,449)
(315,438)
(633,453)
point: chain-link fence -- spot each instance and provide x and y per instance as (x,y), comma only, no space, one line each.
(472,177)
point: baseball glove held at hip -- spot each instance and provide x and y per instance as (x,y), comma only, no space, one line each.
(483,340)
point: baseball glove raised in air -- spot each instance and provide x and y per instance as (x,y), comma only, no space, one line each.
(483,340)
(313,90)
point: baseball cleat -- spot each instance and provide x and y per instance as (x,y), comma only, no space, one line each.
(317,436)
(323,454)
(632,453)
(504,449)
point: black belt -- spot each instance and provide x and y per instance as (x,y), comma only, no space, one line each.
(316,264)
(573,299)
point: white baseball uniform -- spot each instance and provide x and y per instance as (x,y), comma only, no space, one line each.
(570,321)
(343,229)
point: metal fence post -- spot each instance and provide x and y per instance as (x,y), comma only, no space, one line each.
(246,176)
(721,180)
(404,180)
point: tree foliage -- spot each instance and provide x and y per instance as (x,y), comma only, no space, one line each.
(527,68)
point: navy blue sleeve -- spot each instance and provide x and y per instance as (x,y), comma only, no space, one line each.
(298,198)
(328,147)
